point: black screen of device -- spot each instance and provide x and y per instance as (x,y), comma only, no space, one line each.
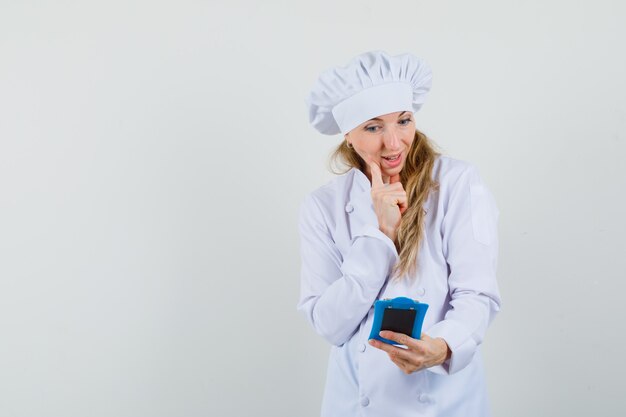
(398,320)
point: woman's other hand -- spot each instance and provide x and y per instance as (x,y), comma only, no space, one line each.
(390,201)
(419,354)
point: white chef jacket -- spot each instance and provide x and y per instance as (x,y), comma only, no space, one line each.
(346,263)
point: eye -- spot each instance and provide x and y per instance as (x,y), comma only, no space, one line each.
(405,122)
(370,128)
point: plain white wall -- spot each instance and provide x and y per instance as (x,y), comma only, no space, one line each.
(153,157)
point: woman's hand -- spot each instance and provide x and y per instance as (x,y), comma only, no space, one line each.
(420,353)
(389,200)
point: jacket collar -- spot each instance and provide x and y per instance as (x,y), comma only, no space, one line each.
(361,180)
(359,207)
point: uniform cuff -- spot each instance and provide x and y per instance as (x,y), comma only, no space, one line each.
(373,231)
(460,342)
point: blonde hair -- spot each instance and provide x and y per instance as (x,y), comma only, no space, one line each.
(416,179)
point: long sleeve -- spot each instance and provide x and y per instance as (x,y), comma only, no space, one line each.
(470,245)
(337,293)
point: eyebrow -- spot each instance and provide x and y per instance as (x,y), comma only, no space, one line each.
(377,118)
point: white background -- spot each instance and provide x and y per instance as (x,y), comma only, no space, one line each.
(153,157)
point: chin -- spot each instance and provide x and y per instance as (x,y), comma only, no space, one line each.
(394,170)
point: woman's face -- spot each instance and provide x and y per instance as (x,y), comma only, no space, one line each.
(384,137)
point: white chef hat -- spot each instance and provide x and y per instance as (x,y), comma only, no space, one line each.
(372,84)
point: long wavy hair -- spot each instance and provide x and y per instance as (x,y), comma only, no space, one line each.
(416,179)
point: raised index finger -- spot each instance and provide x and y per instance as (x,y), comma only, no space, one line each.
(377,178)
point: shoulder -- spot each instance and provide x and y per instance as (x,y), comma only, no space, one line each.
(449,171)
(333,189)
(457,177)
(461,183)
(323,199)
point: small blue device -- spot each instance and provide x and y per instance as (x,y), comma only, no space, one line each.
(400,315)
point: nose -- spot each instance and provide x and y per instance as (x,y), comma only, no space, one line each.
(391,139)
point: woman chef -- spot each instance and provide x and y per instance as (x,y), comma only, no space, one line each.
(404,221)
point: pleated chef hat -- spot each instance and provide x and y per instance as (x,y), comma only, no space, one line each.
(372,84)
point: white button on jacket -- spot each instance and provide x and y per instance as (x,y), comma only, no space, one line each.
(346,262)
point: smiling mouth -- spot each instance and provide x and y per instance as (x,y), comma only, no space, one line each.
(392,158)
